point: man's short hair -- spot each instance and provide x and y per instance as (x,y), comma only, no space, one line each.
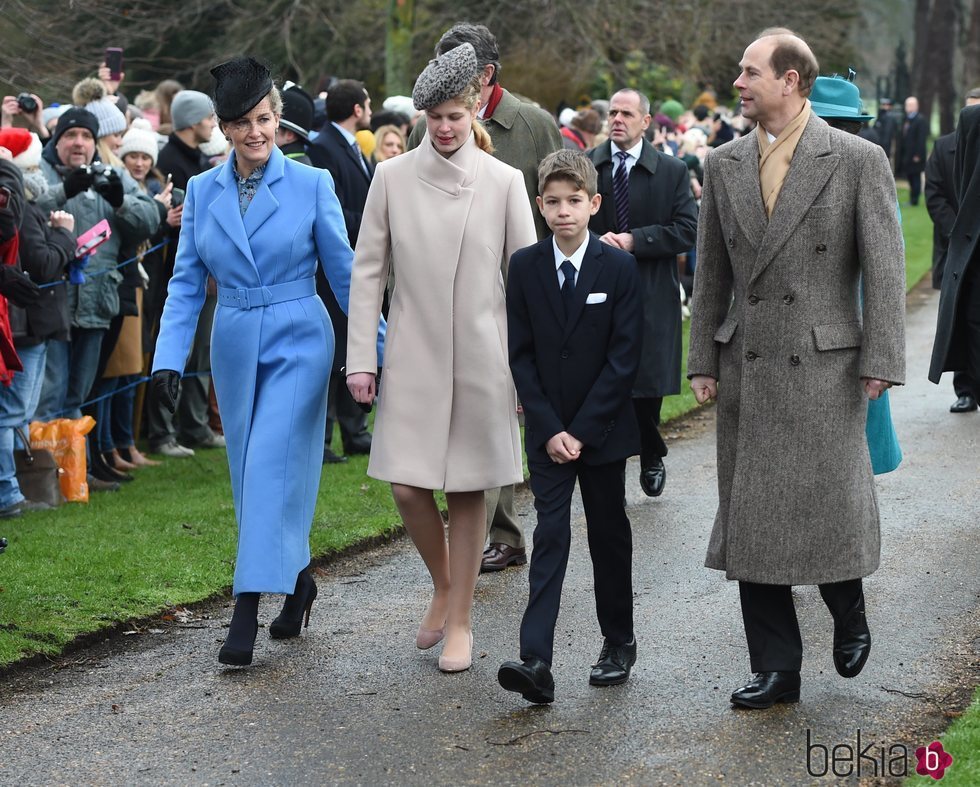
(484,43)
(644,101)
(342,96)
(571,165)
(791,53)
(975,93)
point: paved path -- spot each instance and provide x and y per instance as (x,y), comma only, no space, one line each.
(353,702)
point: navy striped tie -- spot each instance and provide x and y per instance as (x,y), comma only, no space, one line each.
(621,193)
(568,287)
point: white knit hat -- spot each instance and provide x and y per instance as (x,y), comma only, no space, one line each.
(141,138)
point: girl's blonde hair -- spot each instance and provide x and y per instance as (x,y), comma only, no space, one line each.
(470,98)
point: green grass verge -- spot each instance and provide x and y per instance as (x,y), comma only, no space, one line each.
(962,741)
(917,229)
(164,540)
(168,539)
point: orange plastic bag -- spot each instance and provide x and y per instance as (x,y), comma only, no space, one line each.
(65,439)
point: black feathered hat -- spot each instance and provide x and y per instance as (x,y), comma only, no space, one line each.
(239,84)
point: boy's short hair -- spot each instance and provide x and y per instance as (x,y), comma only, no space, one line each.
(570,165)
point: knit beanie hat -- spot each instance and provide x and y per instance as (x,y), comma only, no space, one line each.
(141,138)
(23,145)
(190,107)
(111,120)
(52,113)
(75,117)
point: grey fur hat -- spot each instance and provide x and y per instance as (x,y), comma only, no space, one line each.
(445,77)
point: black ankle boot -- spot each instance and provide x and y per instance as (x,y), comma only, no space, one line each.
(244,627)
(102,470)
(290,620)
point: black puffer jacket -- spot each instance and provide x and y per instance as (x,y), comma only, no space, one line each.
(44,254)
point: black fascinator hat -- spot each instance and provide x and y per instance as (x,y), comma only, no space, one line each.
(239,84)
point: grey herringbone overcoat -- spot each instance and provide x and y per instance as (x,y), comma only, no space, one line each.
(777,320)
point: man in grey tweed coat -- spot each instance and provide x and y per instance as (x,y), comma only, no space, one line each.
(794,215)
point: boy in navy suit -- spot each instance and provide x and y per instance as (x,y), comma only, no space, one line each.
(575,324)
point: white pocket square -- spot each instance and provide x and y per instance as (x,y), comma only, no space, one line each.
(595,297)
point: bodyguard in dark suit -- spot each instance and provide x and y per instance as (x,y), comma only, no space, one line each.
(652,215)
(573,319)
(942,204)
(912,148)
(336,149)
(957,345)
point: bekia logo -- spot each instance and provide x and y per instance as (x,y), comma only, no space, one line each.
(933,760)
(874,759)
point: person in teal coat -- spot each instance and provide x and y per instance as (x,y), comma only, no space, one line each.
(257,225)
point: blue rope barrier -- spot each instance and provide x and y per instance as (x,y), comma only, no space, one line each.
(115,268)
(140,381)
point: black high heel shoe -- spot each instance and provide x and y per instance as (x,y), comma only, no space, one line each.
(295,613)
(242,632)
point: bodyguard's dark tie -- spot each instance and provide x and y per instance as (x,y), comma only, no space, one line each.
(568,286)
(621,193)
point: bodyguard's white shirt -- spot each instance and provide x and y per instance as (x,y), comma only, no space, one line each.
(632,155)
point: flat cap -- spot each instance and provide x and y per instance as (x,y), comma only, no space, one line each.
(239,84)
(445,77)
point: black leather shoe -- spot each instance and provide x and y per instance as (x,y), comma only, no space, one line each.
(614,664)
(330,458)
(497,557)
(852,642)
(768,688)
(965,404)
(531,679)
(356,447)
(238,646)
(653,479)
(296,608)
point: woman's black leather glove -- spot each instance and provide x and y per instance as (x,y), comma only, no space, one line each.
(165,387)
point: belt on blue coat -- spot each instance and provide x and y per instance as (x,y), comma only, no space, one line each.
(256,297)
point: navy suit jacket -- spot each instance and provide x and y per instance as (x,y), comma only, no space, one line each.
(331,151)
(576,373)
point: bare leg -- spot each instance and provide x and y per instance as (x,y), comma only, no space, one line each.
(467,528)
(423,522)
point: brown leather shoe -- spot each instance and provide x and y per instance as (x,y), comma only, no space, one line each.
(497,557)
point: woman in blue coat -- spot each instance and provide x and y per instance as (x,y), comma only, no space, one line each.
(257,225)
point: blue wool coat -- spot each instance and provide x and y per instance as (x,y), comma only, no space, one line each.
(270,363)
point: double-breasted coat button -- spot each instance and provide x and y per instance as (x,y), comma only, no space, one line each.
(564,353)
(821,248)
(753,299)
(795,360)
(788,299)
(750,356)
(731,240)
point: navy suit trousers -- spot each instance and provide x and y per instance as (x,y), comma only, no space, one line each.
(610,545)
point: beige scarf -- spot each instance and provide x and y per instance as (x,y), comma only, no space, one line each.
(775,157)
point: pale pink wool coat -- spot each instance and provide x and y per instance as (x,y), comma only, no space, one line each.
(446,228)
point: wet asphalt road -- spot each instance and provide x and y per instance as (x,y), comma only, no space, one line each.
(353,702)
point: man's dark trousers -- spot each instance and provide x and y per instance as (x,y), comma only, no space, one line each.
(610,544)
(771,628)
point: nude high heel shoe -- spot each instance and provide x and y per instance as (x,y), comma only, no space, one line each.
(457,665)
(426,638)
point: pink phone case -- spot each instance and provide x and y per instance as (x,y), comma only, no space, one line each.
(88,241)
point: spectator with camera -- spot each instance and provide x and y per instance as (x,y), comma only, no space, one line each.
(78,182)
(46,243)
(29,107)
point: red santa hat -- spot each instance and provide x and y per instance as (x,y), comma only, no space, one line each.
(23,145)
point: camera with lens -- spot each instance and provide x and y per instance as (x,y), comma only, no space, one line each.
(27,103)
(101,173)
